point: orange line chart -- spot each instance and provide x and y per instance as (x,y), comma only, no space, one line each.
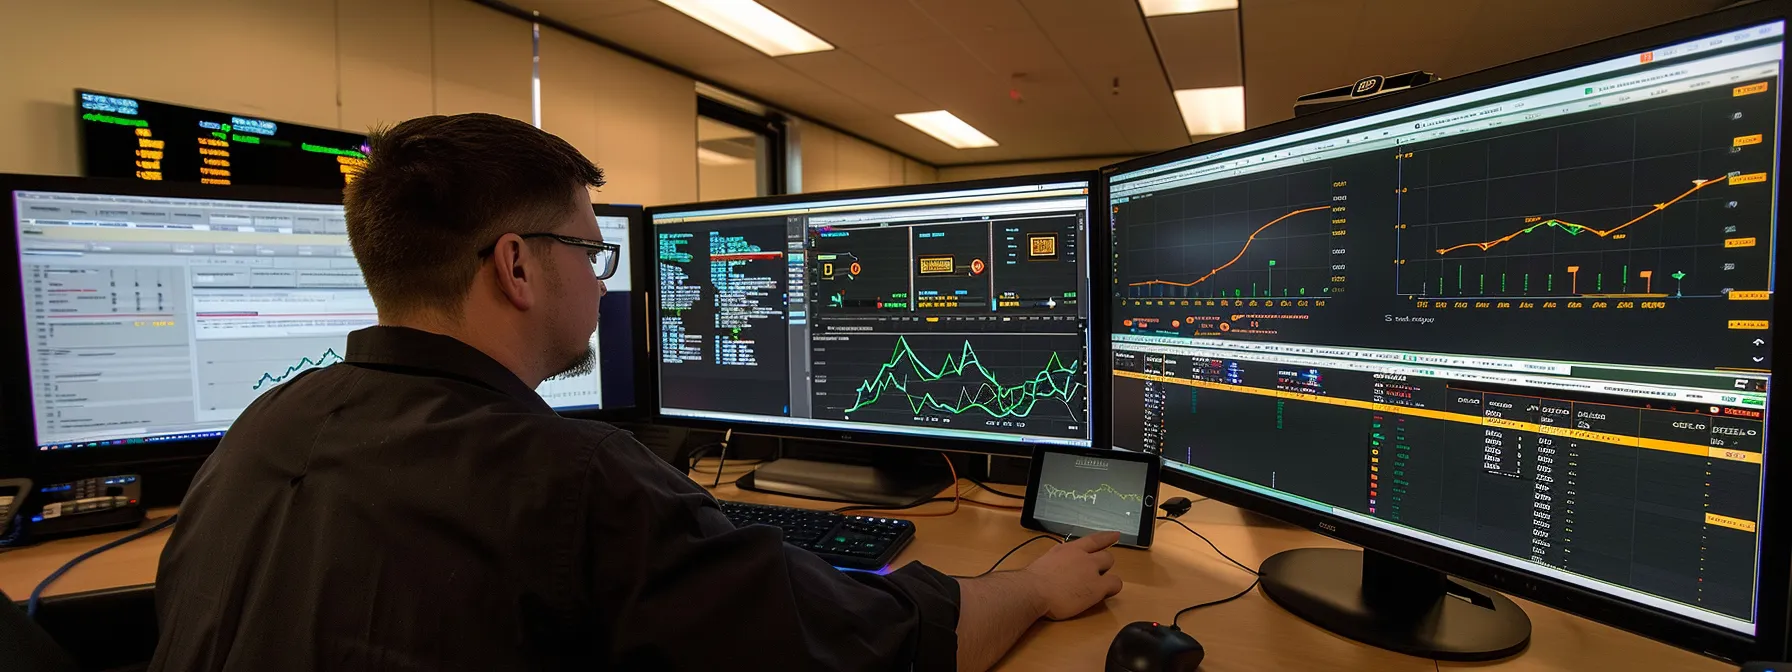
(1577,229)
(1240,255)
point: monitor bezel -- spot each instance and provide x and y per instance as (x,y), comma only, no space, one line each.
(1772,602)
(873,436)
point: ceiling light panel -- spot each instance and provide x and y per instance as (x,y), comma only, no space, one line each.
(752,24)
(1212,111)
(1168,7)
(947,128)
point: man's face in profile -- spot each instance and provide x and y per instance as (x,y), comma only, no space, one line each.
(573,292)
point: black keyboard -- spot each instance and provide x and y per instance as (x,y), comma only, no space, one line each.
(847,542)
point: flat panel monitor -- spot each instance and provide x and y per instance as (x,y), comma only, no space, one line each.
(920,315)
(1518,326)
(132,138)
(148,314)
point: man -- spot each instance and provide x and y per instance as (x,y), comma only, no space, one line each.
(419,507)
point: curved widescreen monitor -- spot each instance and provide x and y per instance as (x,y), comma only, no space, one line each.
(155,313)
(945,312)
(1517,326)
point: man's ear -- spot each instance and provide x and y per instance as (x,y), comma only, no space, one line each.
(516,271)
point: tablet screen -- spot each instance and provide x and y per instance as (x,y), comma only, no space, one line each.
(1079,493)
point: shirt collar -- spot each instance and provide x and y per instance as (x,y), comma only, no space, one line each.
(435,354)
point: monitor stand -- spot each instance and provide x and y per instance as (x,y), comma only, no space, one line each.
(884,479)
(1387,602)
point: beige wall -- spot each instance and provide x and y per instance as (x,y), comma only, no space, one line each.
(957,173)
(831,161)
(716,182)
(348,64)
(638,122)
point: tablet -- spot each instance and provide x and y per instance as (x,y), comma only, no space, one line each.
(1079,491)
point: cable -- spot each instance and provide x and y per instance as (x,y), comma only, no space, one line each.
(900,507)
(1216,548)
(741,472)
(993,491)
(37,593)
(724,463)
(953,498)
(697,455)
(992,505)
(719,482)
(1242,593)
(1011,551)
(737,463)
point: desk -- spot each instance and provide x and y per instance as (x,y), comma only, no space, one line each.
(1250,633)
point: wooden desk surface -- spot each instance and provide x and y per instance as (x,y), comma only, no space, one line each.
(1250,633)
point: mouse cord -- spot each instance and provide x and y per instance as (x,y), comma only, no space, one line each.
(1210,543)
(974,481)
(1011,551)
(37,593)
(1242,593)
(1216,549)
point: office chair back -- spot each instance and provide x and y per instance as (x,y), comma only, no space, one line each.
(26,647)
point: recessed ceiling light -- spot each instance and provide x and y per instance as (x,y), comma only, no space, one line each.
(946,128)
(1212,111)
(1167,7)
(753,24)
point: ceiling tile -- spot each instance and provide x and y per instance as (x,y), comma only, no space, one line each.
(856,23)
(1280,39)
(1000,34)
(1199,50)
(668,35)
(1104,41)
(845,73)
(585,10)
(939,69)
(788,89)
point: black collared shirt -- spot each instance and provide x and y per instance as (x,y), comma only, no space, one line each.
(418,507)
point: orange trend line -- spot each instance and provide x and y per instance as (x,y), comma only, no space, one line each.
(1697,185)
(1247,246)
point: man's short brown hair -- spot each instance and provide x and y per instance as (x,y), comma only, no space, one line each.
(436,190)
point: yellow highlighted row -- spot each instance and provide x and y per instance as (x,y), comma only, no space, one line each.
(1548,430)
(1748,89)
(1732,523)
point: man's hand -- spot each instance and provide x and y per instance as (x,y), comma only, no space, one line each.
(1073,576)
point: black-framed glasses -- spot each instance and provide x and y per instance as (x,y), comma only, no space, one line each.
(603,255)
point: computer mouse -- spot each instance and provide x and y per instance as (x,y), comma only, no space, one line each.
(1145,646)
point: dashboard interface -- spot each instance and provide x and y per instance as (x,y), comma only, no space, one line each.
(154,319)
(958,312)
(1528,323)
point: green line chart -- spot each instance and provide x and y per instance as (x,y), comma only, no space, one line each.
(960,381)
(1088,496)
(270,378)
(1057,380)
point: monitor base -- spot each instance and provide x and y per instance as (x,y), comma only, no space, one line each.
(880,485)
(1397,605)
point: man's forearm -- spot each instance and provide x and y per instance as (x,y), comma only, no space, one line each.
(993,612)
